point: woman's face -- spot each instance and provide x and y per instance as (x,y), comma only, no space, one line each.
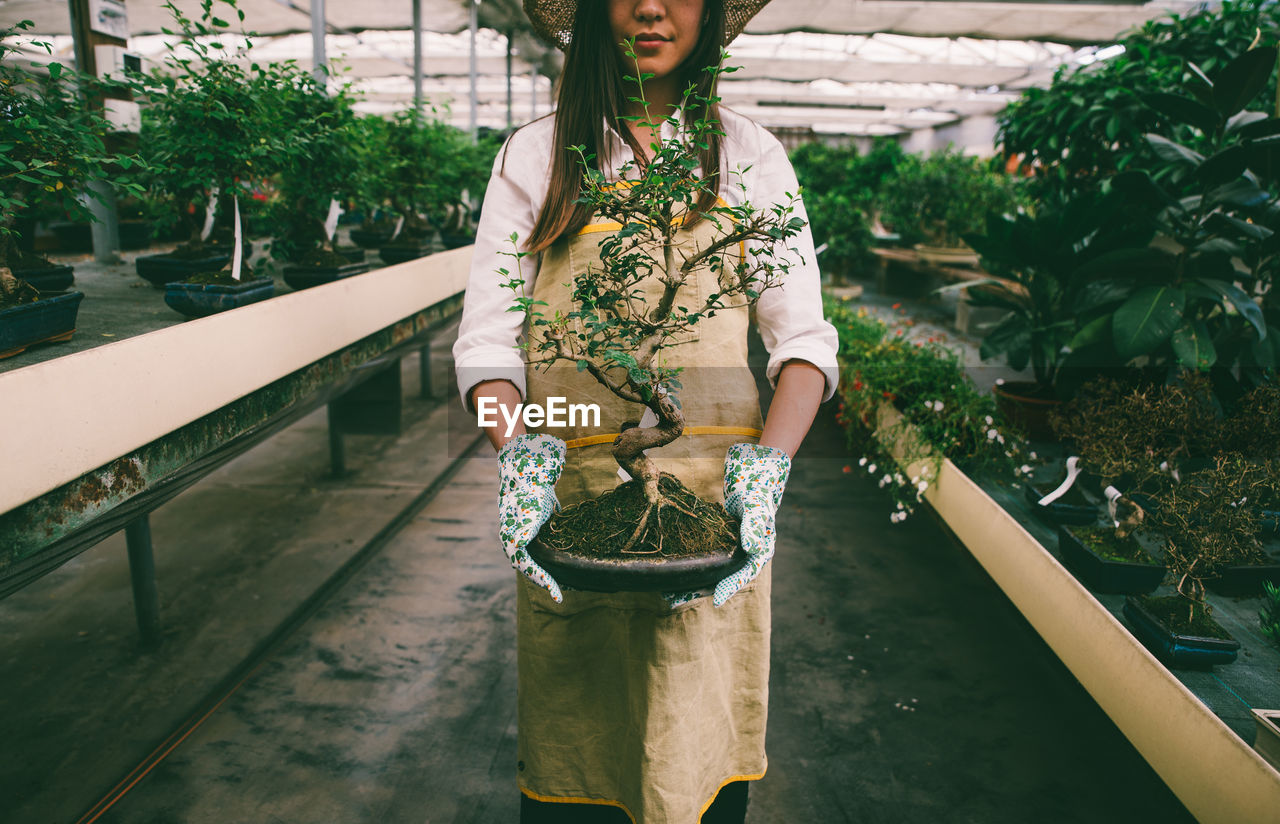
(665,32)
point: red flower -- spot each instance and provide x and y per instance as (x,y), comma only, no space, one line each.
(897,306)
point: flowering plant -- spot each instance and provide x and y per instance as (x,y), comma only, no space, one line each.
(942,412)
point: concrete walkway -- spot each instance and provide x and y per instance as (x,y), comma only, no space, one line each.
(905,686)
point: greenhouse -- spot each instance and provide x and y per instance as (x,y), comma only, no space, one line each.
(402,423)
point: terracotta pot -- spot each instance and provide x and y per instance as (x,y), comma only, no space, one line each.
(1024,404)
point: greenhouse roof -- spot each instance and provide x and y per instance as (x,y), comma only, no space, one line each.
(842,66)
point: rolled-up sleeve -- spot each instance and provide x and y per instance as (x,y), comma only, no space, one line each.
(790,317)
(489,334)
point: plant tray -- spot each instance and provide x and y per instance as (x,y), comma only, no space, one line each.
(197,300)
(643,574)
(161,270)
(48,320)
(1266,740)
(392,255)
(304,277)
(1058,512)
(54,278)
(1177,650)
(1104,575)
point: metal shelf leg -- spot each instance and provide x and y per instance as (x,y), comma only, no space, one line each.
(142,572)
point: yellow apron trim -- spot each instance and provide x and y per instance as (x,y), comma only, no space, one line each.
(598,802)
(744,431)
(724,784)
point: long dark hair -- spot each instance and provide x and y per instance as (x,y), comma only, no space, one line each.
(592,93)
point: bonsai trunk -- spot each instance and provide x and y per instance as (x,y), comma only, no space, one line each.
(629,447)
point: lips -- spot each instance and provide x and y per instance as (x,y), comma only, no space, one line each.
(650,39)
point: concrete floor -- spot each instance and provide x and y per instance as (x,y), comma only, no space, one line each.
(905,686)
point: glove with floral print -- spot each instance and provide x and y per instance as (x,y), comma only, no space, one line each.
(754,477)
(529,466)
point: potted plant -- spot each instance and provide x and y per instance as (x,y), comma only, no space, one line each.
(418,148)
(651,532)
(51,143)
(1109,559)
(372,196)
(1068,498)
(207,293)
(314,182)
(211,126)
(934,201)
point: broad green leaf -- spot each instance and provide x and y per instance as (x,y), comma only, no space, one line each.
(1242,79)
(1247,308)
(1243,120)
(1226,165)
(1184,110)
(1193,346)
(1171,152)
(1146,320)
(1095,331)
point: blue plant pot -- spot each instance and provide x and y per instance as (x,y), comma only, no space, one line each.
(1177,650)
(162,270)
(54,278)
(48,320)
(197,300)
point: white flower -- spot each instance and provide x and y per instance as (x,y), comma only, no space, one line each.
(1032,456)
(999,381)
(990,420)
(991,434)
(922,486)
(897,477)
(901,505)
(871,470)
(1025,469)
(862,461)
(937,406)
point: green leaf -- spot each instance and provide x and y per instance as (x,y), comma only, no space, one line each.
(1243,119)
(1095,331)
(55,71)
(1171,152)
(1247,308)
(1224,166)
(1235,227)
(1146,320)
(1184,110)
(1193,346)
(1242,79)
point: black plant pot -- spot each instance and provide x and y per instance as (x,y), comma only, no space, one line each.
(456,241)
(136,234)
(197,300)
(1105,575)
(304,277)
(1059,512)
(353,254)
(73,237)
(402,253)
(1174,649)
(48,320)
(640,574)
(1245,580)
(52,278)
(164,269)
(371,238)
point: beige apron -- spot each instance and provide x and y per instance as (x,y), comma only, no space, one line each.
(624,701)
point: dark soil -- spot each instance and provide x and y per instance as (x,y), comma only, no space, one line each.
(19,259)
(1104,542)
(196,251)
(683,526)
(1184,616)
(323,258)
(222,278)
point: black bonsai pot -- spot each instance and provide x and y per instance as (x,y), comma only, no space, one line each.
(1071,508)
(403,252)
(168,268)
(51,278)
(1245,580)
(197,300)
(301,276)
(371,238)
(1107,574)
(1175,649)
(48,320)
(638,574)
(456,241)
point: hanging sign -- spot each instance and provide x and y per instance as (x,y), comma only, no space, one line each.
(210,209)
(331,222)
(108,17)
(399,226)
(238,252)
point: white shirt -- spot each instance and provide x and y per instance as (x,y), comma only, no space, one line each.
(789,316)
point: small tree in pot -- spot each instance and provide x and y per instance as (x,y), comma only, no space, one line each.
(620,338)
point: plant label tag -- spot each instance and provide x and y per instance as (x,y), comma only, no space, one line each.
(399,226)
(237,251)
(210,210)
(331,222)
(646,420)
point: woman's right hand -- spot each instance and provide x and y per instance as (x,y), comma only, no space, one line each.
(529,466)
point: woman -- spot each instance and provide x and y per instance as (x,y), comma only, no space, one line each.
(639,706)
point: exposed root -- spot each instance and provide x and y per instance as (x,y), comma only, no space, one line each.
(641,527)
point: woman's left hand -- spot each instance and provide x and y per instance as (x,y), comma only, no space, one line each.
(754,478)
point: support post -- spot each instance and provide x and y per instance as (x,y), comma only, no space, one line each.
(426,389)
(475,25)
(337,449)
(142,574)
(533,94)
(417,56)
(319,59)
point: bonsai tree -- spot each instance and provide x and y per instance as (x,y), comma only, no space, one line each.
(329,170)
(939,198)
(212,122)
(374,184)
(422,171)
(618,337)
(51,143)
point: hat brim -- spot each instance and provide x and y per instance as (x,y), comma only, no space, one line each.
(553,19)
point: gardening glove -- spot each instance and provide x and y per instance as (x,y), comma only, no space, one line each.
(754,477)
(528,468)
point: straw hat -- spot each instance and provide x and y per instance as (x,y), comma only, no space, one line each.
(553,19)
